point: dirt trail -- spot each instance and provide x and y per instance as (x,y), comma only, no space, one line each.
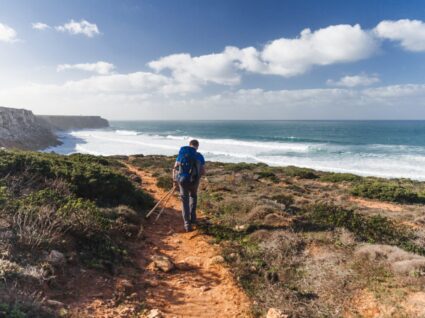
(204,290)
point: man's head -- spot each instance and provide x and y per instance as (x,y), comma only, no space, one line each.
(194,143)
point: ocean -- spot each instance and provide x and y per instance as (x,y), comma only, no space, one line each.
(369,148)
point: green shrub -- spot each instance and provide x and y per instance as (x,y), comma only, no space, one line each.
(303,173)
(165,181)
(83,217)
(88,176)
(387,191)
(340,177)
(237,167)
(375,229)
(285,199)
(267,174)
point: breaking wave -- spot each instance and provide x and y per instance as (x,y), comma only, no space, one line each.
(368,160)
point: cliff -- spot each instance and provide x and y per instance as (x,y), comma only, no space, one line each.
(74,122)
(20,128)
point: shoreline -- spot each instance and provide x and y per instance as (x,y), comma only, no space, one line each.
(114,141)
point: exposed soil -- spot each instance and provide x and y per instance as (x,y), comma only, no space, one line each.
(374,204)
(203,290)
(197,287)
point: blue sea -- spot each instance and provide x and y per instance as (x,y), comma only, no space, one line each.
(370,148)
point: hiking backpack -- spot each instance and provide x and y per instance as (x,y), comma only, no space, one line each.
(188,170)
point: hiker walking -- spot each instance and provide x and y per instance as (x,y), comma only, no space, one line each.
(187,172)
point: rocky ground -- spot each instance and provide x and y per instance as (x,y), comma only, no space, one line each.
(315,244)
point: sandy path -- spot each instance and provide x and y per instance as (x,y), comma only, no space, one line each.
(205,290)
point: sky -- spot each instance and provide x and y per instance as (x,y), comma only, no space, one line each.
(221,59)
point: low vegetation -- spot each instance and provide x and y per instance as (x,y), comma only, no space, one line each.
(340,177)
(57,211)
(392,191)
(292,236)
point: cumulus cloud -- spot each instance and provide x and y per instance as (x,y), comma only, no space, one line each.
(410,33)
(7,34)
(40,26)
(355,80)
(334,44)
(284,57)
(101,67)
(83,27)
(218,68)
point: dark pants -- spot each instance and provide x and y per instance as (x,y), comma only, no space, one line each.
(189,197)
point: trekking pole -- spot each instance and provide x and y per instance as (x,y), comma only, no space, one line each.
(166,196)
(165,204)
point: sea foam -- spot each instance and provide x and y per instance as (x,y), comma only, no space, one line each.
(367,160)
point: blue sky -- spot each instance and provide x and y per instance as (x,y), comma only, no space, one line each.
(168,59)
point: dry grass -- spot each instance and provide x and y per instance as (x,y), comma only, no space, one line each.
(34,228)
(400,261)
(315,265)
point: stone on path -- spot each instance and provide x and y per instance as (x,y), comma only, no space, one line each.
(154,313)
(216,260)
(163,263)
(275,313)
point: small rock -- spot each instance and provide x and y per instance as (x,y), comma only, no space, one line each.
(56,258)
(216,260)
(232,256)
(204,288)
(183,266)
(275,313)
(241,228)
(163,263)
(253,269)
(193,261)
(151,267)
(154,313)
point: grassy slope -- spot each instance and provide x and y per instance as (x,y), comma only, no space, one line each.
(294,236)
(80,205)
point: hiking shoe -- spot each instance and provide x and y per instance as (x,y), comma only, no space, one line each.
(188,228)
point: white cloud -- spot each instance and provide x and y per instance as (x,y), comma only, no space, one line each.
(7,34)
(101,67)
(330,45)
(355,80)
(410,33)
(83,27)
(132,83)
(218,68)
(40,26)
(284,57)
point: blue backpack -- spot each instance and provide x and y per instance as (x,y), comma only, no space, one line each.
(188,172)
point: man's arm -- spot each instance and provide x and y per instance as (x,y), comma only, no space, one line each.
(175,169)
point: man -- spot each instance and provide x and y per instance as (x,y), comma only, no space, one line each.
(187,172)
